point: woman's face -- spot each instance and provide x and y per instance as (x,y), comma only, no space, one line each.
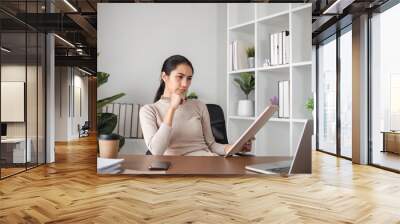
(179,79)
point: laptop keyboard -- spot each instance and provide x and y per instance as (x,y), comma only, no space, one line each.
(280,170)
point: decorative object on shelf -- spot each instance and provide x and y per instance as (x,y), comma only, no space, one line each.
(284,102)
(267,63)
(309,104)
(246,84)
(192,95)
(106,122)
(250,56)
(274,100)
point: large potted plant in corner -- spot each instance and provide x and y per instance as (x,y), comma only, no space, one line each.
(109,143)
(246,83)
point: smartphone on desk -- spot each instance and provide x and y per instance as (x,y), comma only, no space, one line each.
(159,165)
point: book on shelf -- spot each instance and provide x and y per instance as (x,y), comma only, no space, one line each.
(279,48)
(237,54)
(283,99)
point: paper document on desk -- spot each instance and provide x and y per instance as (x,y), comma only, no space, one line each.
(111,166)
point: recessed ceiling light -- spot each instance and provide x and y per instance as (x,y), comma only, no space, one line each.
(70,5)
(84,71)
(64,40)
(337,7)
(5,50)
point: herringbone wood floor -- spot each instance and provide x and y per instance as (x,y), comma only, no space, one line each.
(70,191)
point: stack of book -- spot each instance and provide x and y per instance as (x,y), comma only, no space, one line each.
(283,99)
(109,166)
(279,45)
(237,54)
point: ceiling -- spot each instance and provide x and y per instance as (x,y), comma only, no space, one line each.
(76,22)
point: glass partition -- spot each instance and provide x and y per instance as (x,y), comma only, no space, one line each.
(13,92)
(22,88)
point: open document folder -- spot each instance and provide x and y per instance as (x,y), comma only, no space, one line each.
(109,166)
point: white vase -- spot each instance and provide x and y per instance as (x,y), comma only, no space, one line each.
(250,62)
(245,108)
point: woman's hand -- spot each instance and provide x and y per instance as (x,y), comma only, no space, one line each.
(247,145)
(177,98)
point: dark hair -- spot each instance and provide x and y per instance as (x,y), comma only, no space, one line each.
(170,64)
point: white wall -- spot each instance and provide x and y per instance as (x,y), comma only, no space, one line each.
(66,120)
(135,39)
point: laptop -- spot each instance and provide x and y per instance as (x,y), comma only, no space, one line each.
(300,163)
(253,129)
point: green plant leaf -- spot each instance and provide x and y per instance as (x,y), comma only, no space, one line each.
(102,78)
(246,83)
(309,104)
(192,95)
(250,52)
(101,103)
(106,123)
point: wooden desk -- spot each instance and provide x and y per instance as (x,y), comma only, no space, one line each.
(391,141)
(13,150)
(194,165)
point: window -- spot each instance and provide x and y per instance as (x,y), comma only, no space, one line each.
(346,74)
(385,89)
(327,96)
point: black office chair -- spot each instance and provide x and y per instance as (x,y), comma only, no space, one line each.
(84,129)
(217,120)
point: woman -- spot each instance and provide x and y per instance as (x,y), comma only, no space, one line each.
(173,125)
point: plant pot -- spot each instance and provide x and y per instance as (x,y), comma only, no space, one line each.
(250,62)
(245,108)
(109,146)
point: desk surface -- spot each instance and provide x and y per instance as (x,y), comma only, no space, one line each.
(195,165)
(13,140)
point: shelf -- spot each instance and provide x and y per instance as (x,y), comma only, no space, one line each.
(254,24)
(276,119)
(242,70)
(275,18)
(299,120)
(247,27)
(273,67)
(301,7)
(241,118)
(304,63)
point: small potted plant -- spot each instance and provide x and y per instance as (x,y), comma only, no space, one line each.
(192,95)
(309,104)
(250,56)
(246,83)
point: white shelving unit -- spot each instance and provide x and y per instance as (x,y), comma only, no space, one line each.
(253,23)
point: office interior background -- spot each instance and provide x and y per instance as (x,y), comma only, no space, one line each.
(50,62)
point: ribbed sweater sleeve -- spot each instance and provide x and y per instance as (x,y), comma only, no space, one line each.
(156,138)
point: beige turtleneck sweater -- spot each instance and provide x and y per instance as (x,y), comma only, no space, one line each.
(190,133)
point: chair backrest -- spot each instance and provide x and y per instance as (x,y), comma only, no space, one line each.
(217,120)
(128,124)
